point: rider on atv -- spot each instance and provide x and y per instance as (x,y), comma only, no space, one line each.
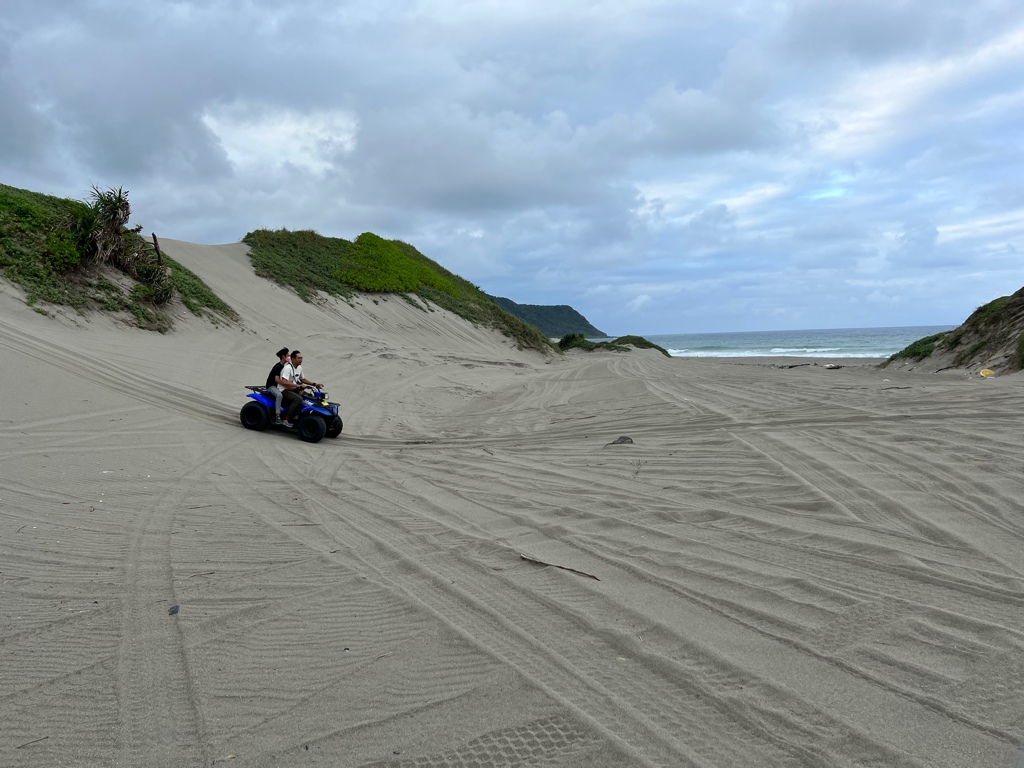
(292,382)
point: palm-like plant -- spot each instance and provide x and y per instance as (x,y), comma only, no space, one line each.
(115,243)
(112,214)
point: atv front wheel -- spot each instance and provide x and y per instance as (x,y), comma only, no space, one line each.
(312,429)
(254,416)
(335,429)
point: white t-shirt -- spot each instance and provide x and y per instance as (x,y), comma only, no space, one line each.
(292,374)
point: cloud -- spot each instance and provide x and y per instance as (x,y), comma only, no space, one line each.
(693,121)
(712,226)
(639,302)
(449,157)
(873,30)
(1008,224)
(259,138)
(756,159)
(916,243)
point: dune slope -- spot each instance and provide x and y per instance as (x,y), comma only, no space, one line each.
(799,567)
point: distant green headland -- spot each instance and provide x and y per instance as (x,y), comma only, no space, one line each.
(554,320)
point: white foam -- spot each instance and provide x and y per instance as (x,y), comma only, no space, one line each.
(772,353)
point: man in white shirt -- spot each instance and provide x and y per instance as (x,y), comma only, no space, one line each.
(291,382)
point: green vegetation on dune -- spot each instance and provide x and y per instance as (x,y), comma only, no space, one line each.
(640,343)
(921,348)
(304,260)
(621,344)
(376,265)
(64,251)
(989,313)
(469,302)
(463,288)
(309,262)
(42,240)
(579,341)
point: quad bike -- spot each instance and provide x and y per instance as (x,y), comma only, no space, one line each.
(317,418)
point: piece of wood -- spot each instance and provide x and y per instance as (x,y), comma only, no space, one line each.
(159,256)
(32,742)
(624,440)
(529,559)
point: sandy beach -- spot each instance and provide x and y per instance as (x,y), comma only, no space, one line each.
(786,567)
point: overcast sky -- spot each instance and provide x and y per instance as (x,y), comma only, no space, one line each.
(664,167)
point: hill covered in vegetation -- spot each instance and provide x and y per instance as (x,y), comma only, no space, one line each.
(992,337)
(554,320)
(310,263)
(82,255)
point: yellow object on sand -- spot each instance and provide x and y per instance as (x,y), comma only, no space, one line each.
(987,372)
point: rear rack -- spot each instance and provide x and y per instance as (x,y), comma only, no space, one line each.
(257,389)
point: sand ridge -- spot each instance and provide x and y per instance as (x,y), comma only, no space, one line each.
(797,567)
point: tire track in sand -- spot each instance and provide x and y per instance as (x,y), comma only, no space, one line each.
(160,722)
(620,693)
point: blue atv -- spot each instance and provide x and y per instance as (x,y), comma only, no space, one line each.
(317,418)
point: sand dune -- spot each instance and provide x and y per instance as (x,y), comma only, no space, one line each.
(795,567)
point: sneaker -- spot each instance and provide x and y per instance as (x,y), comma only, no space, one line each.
(288,424)
(277,419)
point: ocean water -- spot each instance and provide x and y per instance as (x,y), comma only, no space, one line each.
(831,342)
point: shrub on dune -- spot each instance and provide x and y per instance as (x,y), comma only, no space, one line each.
(379,265)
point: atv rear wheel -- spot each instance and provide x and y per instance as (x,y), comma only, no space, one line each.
(312,429)
(254,416)
(335,429)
